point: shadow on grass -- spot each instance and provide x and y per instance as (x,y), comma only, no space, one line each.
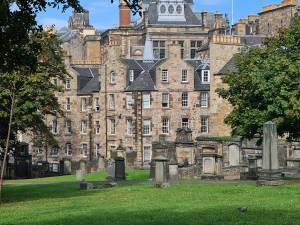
(30,192)
(168,216)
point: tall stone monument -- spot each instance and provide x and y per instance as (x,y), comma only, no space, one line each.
(270,174)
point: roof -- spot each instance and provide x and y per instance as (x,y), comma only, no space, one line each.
(88,79)
(144,74)
(190,17)
(229,67)
(199,65)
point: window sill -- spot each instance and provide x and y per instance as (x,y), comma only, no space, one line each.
(147,135)
(165,82)
(185,82)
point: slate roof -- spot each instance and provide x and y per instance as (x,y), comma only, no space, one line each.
(229,67)
(88,80)
(144,74)
(190,17)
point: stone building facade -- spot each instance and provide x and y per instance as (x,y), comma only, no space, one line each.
(269,21)
(138,81)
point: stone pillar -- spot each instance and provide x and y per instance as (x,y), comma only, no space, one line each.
(161,172)
(270,174)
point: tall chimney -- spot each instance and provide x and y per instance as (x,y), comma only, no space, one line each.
(124,14)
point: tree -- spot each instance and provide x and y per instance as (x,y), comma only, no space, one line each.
(266,86)
(27,96)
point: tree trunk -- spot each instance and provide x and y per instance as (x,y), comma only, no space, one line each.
(6,145)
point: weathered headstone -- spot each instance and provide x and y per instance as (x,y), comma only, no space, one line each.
(270,174)
(79,175)
(111,169)
(101,163)
(161,172)
(67,167)
(173,172)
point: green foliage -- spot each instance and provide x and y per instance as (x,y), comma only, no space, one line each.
(266,86)
(33,92)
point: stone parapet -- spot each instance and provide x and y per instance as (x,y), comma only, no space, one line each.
(224,39)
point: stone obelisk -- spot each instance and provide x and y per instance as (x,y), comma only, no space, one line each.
(271,173)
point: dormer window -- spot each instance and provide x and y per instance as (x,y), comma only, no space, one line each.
(112,78)
(205,76)
(131,75)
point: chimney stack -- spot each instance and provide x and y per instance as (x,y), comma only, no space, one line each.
(124,14)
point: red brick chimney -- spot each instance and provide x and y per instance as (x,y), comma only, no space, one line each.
(124,14)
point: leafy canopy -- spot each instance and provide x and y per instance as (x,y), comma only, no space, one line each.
(266,86)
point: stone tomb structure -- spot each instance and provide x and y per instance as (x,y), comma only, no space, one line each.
(221,157)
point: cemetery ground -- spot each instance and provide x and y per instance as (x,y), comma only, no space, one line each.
(59,201)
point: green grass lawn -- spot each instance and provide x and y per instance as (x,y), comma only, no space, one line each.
(42,201)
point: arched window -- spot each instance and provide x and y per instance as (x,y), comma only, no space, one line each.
(112,78)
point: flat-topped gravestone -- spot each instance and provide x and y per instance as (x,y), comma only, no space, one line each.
(111,169)
(271,175)
(161,172)
(79,175)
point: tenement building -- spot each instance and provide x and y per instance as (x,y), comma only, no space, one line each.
(142,80)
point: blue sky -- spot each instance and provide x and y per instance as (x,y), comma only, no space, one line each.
(104,15)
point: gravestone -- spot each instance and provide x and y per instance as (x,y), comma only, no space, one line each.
(120,168)
(111,172)
(101,163)
(270,175)
(83,166)
(67,167)
(79,175)
(173,172)
(161,172)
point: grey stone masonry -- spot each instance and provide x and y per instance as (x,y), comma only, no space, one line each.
(270,174)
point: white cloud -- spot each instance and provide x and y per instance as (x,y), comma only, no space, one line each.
(59,23)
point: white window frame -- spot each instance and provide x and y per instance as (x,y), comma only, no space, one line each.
(52,151)
(54,127)
(97,127)
(111,101)
(131,75)
(147,148)
(129,102)
(97,149)
(84,151)
(96,104)
(165,125)
(68,126)
(204,99)
(146,101)
(165,100)
(204,74)
(185,124)
(68,149)
(68,84)
(83,127)
(129,127)
(146,127)
(84,104)
(68,104)
(164,75)
(112,126)
(204,124)
(112,77)
(185,99)
(184,76)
